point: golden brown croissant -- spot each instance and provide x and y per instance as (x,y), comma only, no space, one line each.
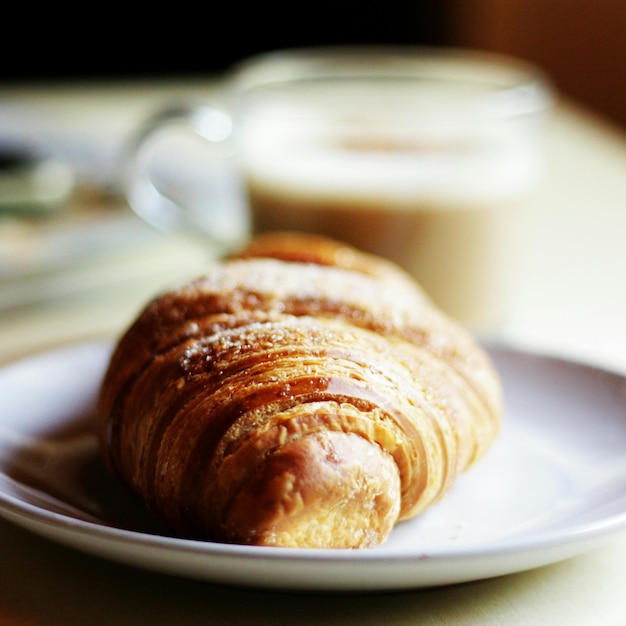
(300,394)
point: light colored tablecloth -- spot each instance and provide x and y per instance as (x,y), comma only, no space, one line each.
(571,300)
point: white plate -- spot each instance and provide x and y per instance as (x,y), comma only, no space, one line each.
(553,485)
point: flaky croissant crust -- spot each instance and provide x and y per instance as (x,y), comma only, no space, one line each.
(300,394)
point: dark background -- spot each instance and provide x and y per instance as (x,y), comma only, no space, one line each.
(183,39)
(580,43)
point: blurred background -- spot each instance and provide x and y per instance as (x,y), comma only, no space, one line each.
(579,42)
(82,77)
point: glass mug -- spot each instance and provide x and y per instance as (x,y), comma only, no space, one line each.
(424,156)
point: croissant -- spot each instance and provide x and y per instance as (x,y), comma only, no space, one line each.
(300,394)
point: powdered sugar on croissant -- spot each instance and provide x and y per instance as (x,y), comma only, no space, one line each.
(300,394)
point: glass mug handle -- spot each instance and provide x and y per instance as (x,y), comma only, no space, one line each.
(217,214)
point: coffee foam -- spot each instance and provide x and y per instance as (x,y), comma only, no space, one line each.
(400,170)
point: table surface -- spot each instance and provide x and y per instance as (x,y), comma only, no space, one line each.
(570,301)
